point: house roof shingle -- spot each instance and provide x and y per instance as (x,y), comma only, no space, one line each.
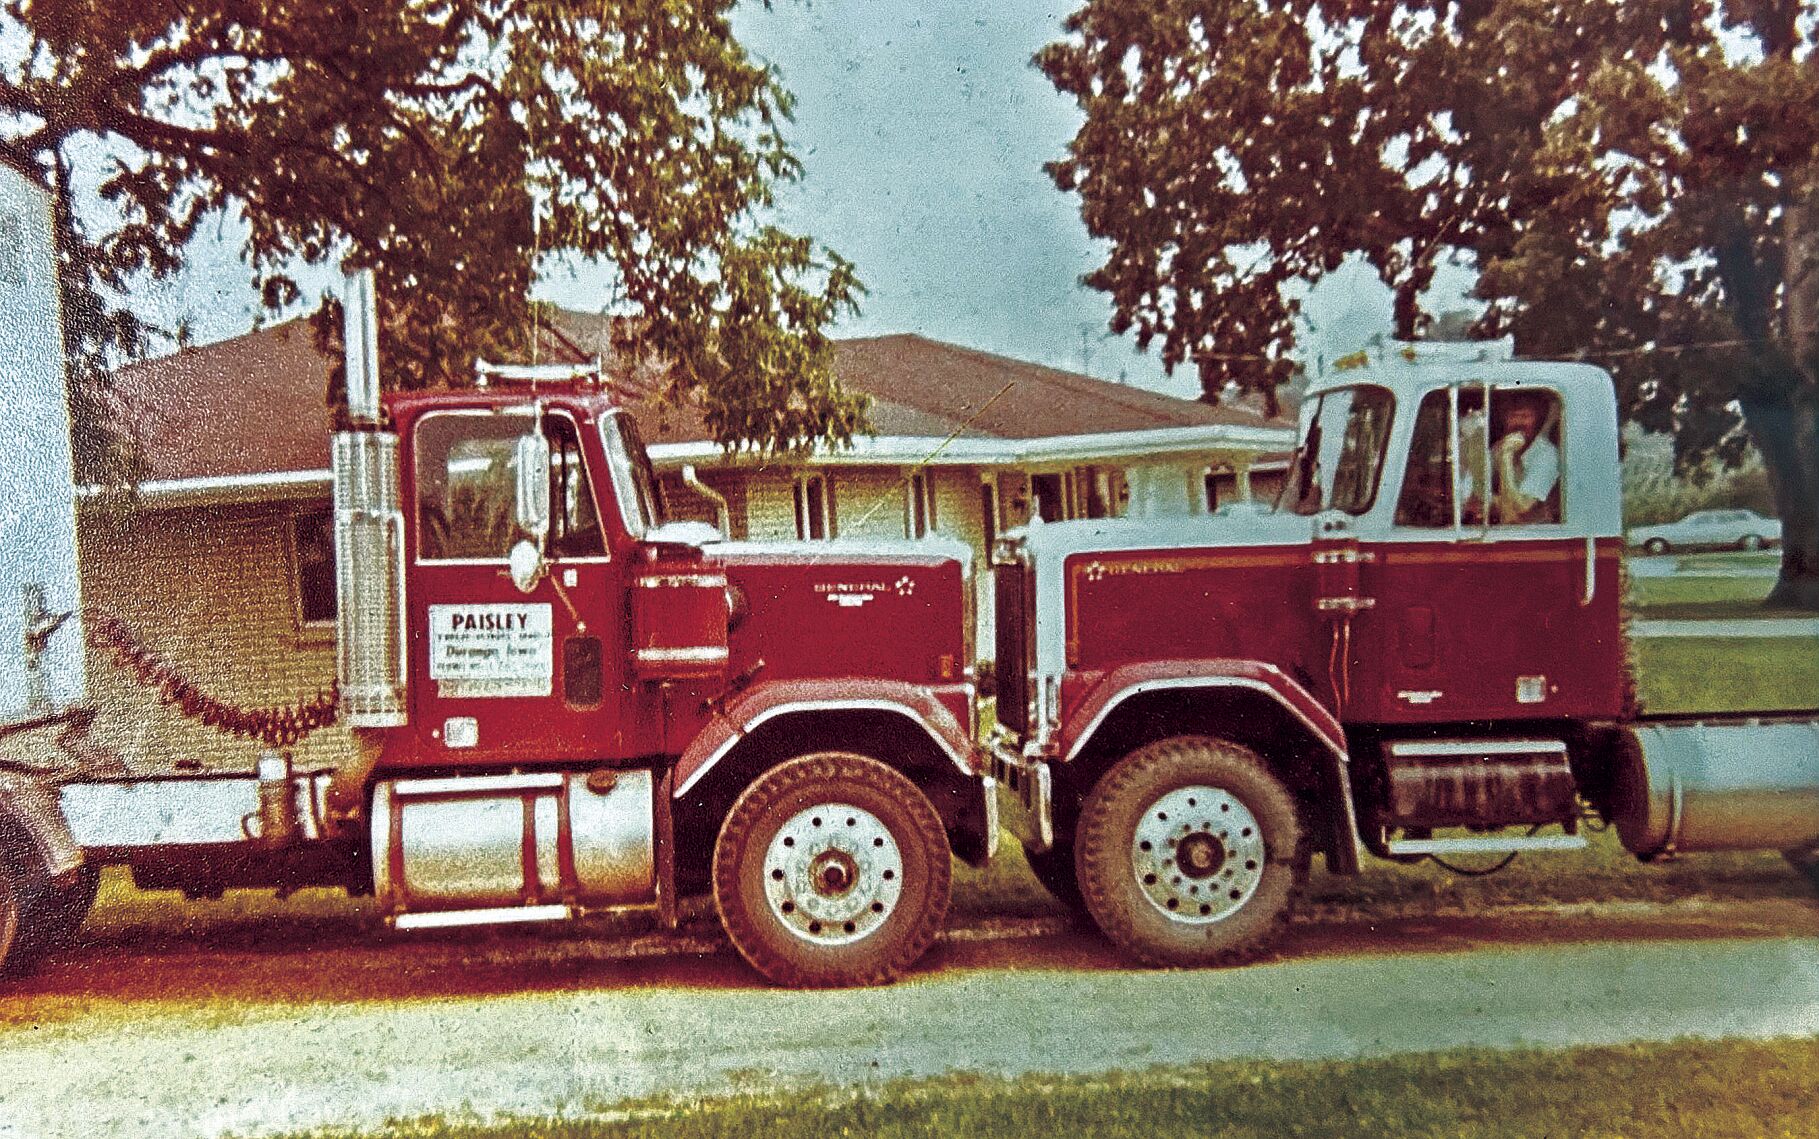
(256,404)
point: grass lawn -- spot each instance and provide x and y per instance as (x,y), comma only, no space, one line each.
(1740,674)
(1690,1088)
(1698,598)
(1716,674)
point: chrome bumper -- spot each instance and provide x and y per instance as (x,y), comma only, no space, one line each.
(1025,793)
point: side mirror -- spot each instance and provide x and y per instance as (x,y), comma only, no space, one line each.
(527,565)
(533,459)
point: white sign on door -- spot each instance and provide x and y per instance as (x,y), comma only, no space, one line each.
(491,650)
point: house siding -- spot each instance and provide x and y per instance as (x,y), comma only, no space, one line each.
(685,503)
(213,591)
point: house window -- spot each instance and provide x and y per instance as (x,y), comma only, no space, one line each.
(313,540)
(919,509)
(1101,492)
(814,509)
(988,509)
(1221,488)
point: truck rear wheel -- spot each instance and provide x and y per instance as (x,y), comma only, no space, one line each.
(1807,862)
(1187,853)
(11,922)
(1054,868)
(832,870)
(37,918)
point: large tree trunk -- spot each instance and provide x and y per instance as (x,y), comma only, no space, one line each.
(1792,428)
(1786,432)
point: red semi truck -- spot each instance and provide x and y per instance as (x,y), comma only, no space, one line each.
(562,703)
(1421,652)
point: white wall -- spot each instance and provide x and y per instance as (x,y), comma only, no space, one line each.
(37,513)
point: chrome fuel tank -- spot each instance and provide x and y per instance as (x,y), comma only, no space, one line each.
(1691,785)
(554,838)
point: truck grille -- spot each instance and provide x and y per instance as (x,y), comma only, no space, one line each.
(1011,651)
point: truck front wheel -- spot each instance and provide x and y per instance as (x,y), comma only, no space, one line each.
(832,870)
(1188,852)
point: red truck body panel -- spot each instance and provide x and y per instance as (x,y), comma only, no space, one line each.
(803,615)
(1452,631)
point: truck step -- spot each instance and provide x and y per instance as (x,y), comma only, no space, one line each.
(1486,844)
(502,915)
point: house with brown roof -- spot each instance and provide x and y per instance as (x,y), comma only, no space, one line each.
(224,562)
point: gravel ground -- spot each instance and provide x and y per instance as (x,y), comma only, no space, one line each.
(203,1041)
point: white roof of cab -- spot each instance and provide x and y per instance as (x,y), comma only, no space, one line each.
(1409,367)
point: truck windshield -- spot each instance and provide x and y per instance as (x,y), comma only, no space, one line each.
(1340,458)
(635,480)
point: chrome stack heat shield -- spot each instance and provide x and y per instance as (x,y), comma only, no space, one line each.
(369,537)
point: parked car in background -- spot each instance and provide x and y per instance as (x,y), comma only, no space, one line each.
(1709,530)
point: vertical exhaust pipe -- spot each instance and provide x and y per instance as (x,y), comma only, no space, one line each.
(721,510)
(360,334)
(369,533)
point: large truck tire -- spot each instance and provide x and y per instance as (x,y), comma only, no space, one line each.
(1054,868)
(65,909)
(12,922)
(36,916)
(1807,862)
(1188,853)
(832,870)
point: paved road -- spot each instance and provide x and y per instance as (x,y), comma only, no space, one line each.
(1746,627)
(252,1042)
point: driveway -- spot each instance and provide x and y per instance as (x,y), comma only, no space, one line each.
(187,1042)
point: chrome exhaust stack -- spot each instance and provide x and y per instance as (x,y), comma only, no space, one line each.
(369,533)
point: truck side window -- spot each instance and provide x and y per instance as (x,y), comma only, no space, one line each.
(466,488)
(1523,459)
(574,522)
(1340,458)
(1427,488)
(1516,450)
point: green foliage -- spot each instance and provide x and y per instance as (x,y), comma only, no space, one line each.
(1654,493)
(426,139)
(1635,183)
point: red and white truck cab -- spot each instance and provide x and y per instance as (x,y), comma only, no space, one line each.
(562,703)
(1421,651)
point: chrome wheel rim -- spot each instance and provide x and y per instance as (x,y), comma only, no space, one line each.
(833,874)
(1197,854)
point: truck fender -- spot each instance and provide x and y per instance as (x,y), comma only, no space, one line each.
(1321,732)
(29,811)
(764,703)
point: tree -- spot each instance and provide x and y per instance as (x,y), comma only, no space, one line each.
(1636,184)
(427,139)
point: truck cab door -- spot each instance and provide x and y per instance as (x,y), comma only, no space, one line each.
(499,674)
(1490,601)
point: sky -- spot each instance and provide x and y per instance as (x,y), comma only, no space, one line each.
(922,129)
